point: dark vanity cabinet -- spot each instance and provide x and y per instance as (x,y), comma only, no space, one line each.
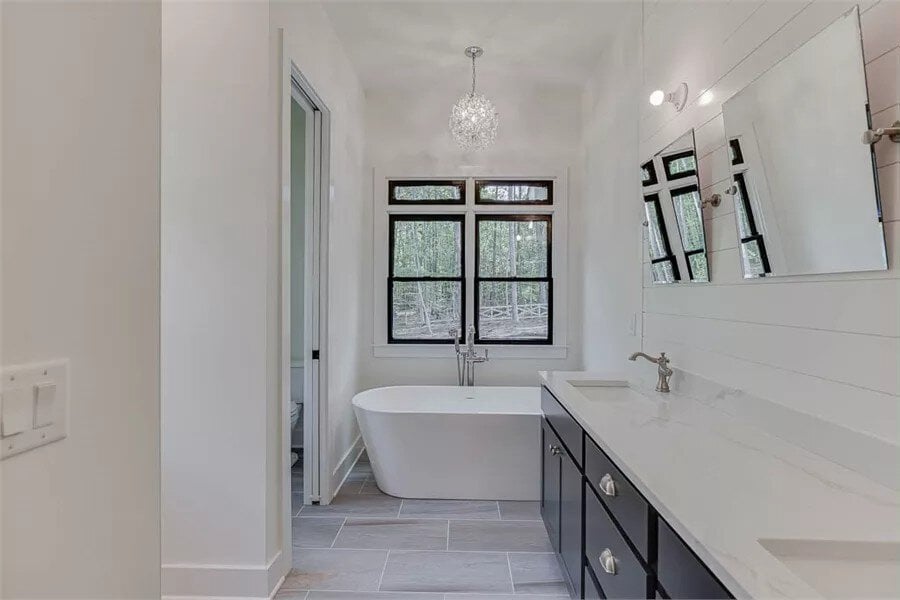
(609,539)
(562,490)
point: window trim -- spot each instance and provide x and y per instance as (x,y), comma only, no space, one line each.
(670,256)
(517,170)
(392,279)
(459,184)
(548,279)
(546,183)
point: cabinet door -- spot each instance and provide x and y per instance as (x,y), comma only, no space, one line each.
(550,482)
(570,522)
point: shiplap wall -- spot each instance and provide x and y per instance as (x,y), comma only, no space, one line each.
(827,345)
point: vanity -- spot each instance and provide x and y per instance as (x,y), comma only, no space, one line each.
(652,495)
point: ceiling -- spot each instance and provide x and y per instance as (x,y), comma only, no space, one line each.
(420,43)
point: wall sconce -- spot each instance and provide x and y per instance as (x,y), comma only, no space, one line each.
(678,98)
(714,201)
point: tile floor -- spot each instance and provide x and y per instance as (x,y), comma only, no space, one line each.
(367,545)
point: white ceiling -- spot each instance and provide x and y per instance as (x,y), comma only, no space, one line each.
(420,43)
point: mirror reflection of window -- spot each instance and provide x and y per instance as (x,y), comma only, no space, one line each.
(689,216)
(754,259)
(681,165)
(648,174)
(663,267)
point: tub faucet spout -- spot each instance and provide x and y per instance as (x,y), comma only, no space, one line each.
(466,359)
(664,372)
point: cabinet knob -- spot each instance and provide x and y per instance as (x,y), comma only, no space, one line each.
(608,561)
(608,485)
(554,450)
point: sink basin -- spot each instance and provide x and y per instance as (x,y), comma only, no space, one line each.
(842,569)
(592,383)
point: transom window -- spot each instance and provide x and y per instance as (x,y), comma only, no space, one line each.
(455,259)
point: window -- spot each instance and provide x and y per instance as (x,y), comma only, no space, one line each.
(689,217)
(753,249)
(648,174)
(427,192)
(486,252)
(513,282)
(734,151)
(514,192)
(663,265)
(426,288)
(680,165)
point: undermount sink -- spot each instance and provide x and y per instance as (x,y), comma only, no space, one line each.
(842,569)
(592,383)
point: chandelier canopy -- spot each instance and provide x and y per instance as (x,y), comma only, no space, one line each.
(474,120)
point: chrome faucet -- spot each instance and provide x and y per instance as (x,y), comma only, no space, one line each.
(466,359)
(662,385)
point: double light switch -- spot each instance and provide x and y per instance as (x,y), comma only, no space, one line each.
(33,409)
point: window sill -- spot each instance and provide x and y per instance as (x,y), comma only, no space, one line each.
(499,351)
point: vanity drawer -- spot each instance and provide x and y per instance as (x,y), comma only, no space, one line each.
(625,503)
(565,426)
(629,579)
(681,574)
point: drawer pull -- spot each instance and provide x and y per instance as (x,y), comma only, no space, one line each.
(608,561)
(607,485)
(554,450)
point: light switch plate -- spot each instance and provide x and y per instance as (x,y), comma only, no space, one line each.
(44,388)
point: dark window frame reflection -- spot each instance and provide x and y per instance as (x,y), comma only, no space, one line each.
(754,237)
(667,165)
(669,256)
(673,193)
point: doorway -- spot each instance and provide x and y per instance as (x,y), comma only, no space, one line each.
(304,235)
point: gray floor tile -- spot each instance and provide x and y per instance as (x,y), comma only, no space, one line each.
(375,596)
(451,509)
(537,574)
(522,511)
(291,595)
(315,532)
(332,569)
(369,486)
(296,503)
(500,536)
(418,571)
(351,486)
(393,534)
(504,596)
(359,505)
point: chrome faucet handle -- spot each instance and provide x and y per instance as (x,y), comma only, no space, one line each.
(454,333)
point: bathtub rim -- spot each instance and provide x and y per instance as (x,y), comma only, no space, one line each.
(355,402)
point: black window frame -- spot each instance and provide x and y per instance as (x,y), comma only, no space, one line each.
(670,256)
(459,184)
(651,168)
(737,154)
(453,218)
(668,160)
(755,235)
(545,183)
(548,279)
(688,253)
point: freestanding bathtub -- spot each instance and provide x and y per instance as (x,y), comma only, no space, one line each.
(453,442)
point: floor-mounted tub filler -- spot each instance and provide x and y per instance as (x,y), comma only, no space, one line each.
(453,442)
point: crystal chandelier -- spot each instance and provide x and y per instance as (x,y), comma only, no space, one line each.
(474,120)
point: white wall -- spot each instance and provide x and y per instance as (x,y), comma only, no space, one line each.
(611,216)
(825,345)
(220,337)
(312,44)
(80,280)
(407,134)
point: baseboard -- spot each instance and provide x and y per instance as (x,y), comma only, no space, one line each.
(225,582)
(340,473)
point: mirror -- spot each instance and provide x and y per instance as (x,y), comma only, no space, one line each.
(804,186)
(676,240)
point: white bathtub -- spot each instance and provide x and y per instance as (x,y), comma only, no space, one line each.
(453,442)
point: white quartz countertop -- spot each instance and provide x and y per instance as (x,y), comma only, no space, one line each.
(724,484)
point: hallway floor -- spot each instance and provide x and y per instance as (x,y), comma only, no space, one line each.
(368,545)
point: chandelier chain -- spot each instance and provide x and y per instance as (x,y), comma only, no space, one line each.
(473,74)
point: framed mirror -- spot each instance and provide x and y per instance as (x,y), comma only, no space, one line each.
(676,239)
(803,183)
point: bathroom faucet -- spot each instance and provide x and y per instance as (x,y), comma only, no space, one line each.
(466,359)
(662,385)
